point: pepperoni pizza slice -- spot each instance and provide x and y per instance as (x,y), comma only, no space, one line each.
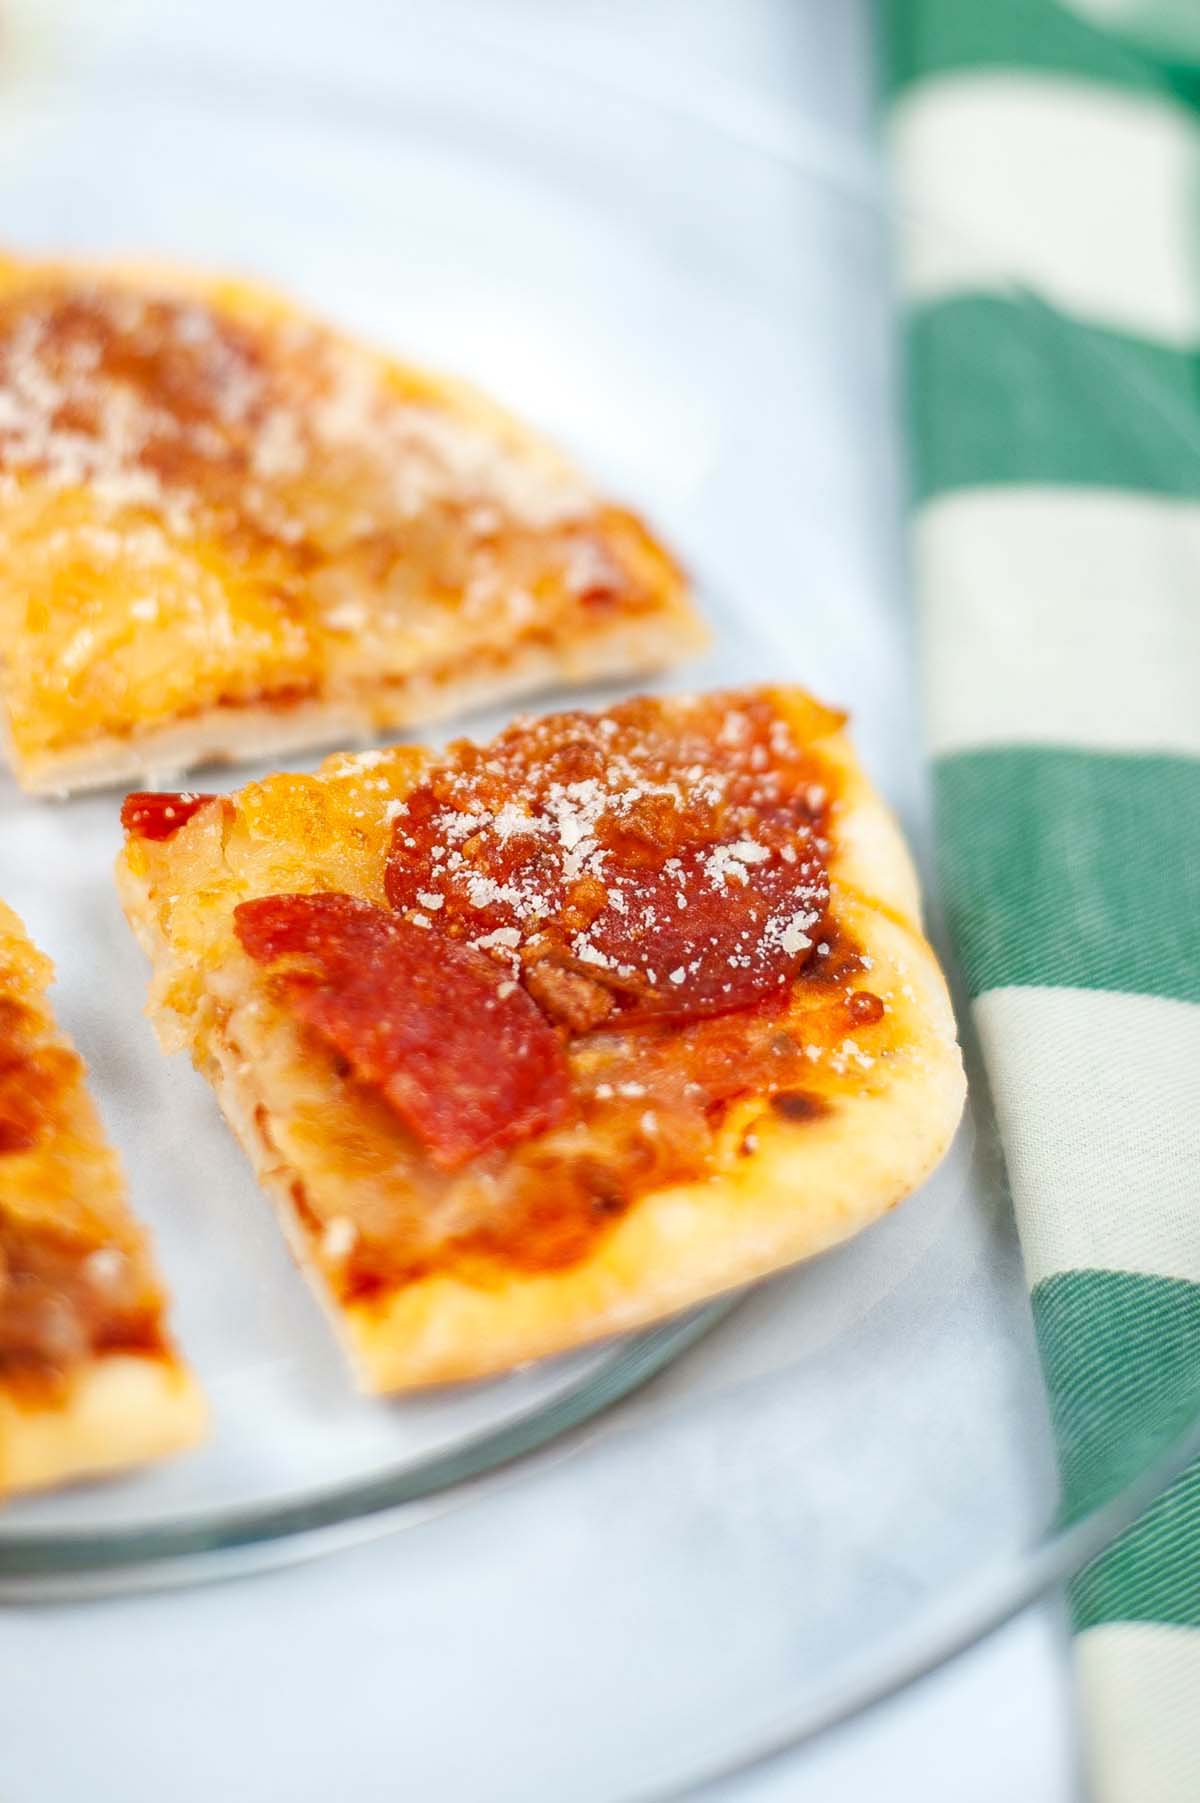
(542,1039)
(89,1381)
(227,529)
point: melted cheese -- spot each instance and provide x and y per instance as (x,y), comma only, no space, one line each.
(75,1276)
(210,502)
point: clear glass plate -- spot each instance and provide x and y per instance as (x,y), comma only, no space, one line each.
(844,1476)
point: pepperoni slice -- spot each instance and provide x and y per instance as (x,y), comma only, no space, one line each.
(713,932)
(458,1050)
(664,858)
(158,814)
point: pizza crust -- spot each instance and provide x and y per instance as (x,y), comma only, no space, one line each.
(119,1411)
(777,1189)
(245,734)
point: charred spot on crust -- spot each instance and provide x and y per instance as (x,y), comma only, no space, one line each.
(835,959)
(797,1105)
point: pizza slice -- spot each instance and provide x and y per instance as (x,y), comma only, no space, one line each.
(226,528)
(89,1381)
(539,1040)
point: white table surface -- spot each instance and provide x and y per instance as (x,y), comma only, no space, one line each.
(237,1690)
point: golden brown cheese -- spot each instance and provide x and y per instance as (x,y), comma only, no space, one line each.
(224,523)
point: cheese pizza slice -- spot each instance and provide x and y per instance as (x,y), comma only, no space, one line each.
(539,1040)
(89,1381)
(226,528)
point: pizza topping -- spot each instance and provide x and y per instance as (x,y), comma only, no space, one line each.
(464,1058)
(650,1105)
(32,1080)
(166,402)
(61,1303)
(663,859)
(567,996)
(155,814)
(74,1278)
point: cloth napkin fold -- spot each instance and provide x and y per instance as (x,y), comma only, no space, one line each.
(1055,429)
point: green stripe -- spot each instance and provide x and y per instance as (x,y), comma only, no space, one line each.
(1072,869)
(1009,391)
(1121,1352)
(1152,1573)
(923,38)
(1063,867)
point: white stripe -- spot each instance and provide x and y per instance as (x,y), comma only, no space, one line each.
(1082,192)
(1061,616)
(1141,1711)
(1097,1098)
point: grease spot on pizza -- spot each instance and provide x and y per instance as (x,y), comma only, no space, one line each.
(864,1008)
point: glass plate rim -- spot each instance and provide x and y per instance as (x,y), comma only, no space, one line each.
(190,1548)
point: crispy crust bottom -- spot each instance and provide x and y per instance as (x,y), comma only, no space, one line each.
(230,735)
(119,1411)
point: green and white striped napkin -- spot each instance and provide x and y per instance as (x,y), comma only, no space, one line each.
(1056,475)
